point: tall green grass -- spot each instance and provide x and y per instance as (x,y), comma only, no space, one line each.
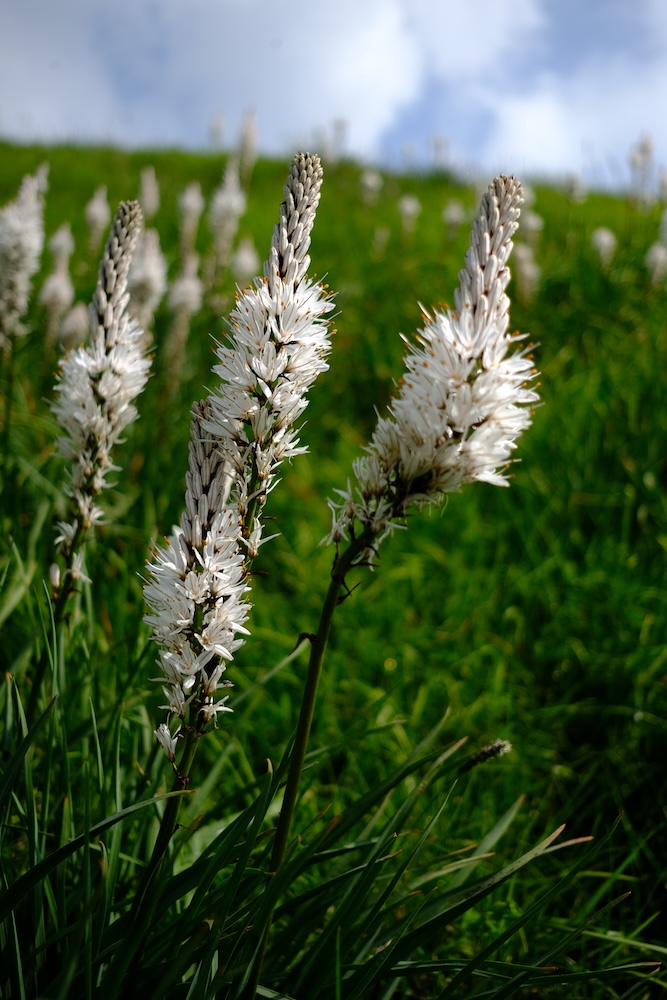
(535,614)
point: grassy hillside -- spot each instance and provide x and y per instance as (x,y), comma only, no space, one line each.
(535,614)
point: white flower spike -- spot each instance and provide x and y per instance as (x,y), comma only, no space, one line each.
(198,580)
(98,383)
(463,401)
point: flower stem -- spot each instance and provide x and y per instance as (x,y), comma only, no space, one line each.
(66,589)
(341,567)
(168,824)
(145,901)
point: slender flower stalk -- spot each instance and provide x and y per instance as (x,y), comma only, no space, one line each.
(57,292)
(149,193)
(74,327)
(147,280)
(98,215)
(227,207)
(185,298)
(196,589)
(191,206)
(245,262)
(604,243)
(95,392)
(247,148)
(528,272)
(198,579)
(239,436)
(463,402)
(278,346)
(21,242)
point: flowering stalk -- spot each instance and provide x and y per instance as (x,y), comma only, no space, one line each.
(227,207)
(461,406)
(185,297)
(147,280)
(57,291)
(98,215)
(95,391)
(463,401)
(198,579)
(279,343)
(191,206)
(21,242)
(239,437)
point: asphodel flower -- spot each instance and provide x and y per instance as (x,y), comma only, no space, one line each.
(198,579)
(464,399)
(98,383)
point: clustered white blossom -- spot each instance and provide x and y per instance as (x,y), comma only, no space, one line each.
(227,207)
(248,147)
(575,188)
(149,193)
(21,242)
(191,206)
(195,590)
(57,291)
(147,280)
(371,182)
(409,207)
(453,215)
(642,168)
(98,216)
(528,272)
(656,262)
(245,262)
(532,225)
(74,327)
(279,342)
(185,297)
(97,384)
(604,244)
(463,401)
(186,292)
(277,346)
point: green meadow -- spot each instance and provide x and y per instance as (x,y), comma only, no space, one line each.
(535,614)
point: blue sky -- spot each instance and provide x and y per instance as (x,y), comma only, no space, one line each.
(533,87)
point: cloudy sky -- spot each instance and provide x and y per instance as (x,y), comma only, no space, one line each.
(533,87)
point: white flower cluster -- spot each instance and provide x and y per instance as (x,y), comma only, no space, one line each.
(98,215)
(248,147)
(245,262)
(191,206)
(197,580)
(147,280)
(279,342)
(21,242)
(185,298)
(149,193)
(227,207)
(604,242)
(186,292)
(97,383)
(464,399)
(57,291)
(195,589)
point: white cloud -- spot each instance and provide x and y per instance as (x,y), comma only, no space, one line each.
(157,71)
(464,41)
(586,123)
